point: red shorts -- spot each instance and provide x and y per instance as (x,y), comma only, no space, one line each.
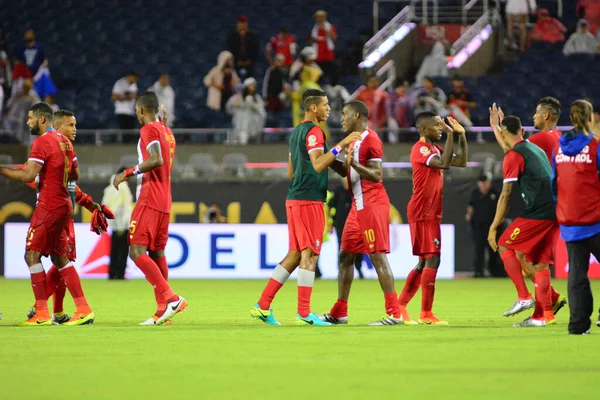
(306,225)
(71,247)
(536,238)
(426,237)
(149,228)
(47,233)
(367,231)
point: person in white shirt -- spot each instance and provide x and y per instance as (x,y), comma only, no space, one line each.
(121,202)
(166,96)
(582,41)
(124,93)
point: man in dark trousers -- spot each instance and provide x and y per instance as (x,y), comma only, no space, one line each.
(480,214)
(339,208)
(243,44)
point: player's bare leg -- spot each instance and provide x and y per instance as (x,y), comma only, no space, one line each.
(339,311)
(512,265)
(83,313)
(386,280)
(558,300)
(175,303)
(411,286)
(432,263)
(306,280)
(38,284)
(543,297)
(262,309)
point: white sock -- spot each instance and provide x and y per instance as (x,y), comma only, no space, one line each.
(280,274)
(36,269)
(306,277)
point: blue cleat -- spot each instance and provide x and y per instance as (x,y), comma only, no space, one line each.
(265,316)
(311,319)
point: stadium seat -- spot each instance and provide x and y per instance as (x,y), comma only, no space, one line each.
(200,164)
(6,159)
(234,163)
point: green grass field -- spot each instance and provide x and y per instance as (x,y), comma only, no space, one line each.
(216,351)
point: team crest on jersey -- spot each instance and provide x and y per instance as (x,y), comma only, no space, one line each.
(436,242)
(317,243)
(312,140)
(425,150)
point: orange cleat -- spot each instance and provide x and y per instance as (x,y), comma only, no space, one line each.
(41,318)
(430,319)
(83,317)
(407,319)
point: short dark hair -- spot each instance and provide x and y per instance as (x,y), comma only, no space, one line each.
(423,118)
(312,96)
(44,109)
(359,107)
(63,113)
(132,73)
(148,101)
(551,105)
(430,79)
(512,124)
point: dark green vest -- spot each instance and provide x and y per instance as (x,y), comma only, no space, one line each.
(307,183)
(535,183)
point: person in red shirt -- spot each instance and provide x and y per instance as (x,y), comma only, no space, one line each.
(375,99)
(547,29)
(367,228)
(149,229)
(323,37)
(53,158)
(283,43)
(425,207)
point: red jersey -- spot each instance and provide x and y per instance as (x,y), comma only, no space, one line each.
(546,141)
(283,45)
(154,187)
(56,154)
(428,183)
(324,45)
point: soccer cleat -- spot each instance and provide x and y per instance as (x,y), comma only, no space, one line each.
(152,321)
(38,320)
(432,320)
(406,318)
(388,320)
(582,333)
(265,316)
(560,303)
(173,307)
(81,318)
(59,319)
(333,320)
(551,321)
(519,306)
(598,323)
(31,312)
(311,319)
(531,323)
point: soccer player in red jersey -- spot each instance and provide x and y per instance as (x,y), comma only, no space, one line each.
(367,228)
(425,208)
(535,231)
(545,119)
(53,158)
(149,229)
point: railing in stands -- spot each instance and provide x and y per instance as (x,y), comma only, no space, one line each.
(470,41)
(373,46)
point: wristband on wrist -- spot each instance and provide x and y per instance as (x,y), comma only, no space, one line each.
(132,171)
(336,150)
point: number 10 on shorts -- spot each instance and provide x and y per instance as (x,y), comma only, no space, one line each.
(370,235)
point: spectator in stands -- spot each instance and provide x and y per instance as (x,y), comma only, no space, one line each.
(243,44)
(338,96)
(5,74)
(124,93)
(430,98)
(517,12)
(214,215)
(375,99)
(51,101)
(248,111)
(307,57)
(590,10)
(323,37)
(274,84)
(547,29)
(434,64)
(399,109)
(582,41)
(17,108)
(283,44)
(32,54)
(20,72)
(460,102)
(166,96)
(121,202)
(221,81)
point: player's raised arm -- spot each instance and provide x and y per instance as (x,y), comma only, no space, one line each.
(445,160)
(27,174)
(460,158)
(496,117)
(501,211)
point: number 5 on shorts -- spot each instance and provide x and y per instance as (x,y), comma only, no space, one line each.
(132,227)
(370,235)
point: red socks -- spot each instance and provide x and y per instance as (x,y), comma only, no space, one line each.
(304,293)
(55,285)
(71,277)
(266,298)
(339,309)
(154,276)
(38,284)
(543,296)
(413,281)
(512,265)
(161,302)
(427,289)
(392,306)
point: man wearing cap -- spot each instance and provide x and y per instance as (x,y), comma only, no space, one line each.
(243,44)
(547,29)
(480,214)
(323,37)
(582,41)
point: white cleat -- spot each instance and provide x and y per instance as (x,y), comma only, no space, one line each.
(388,320)
(173,308)
(519,306)
(150,321)
(333,320)
(531,323)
